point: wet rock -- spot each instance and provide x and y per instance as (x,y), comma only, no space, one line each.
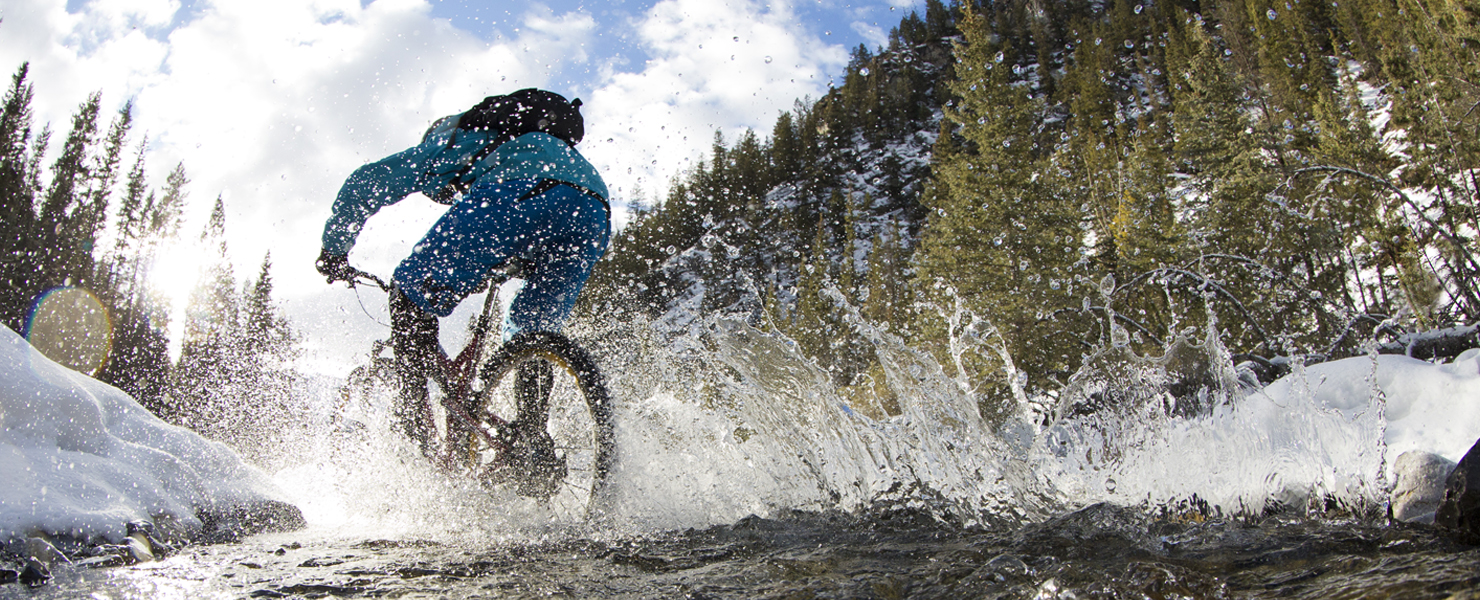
(1458,515)
(35,574)
(41,550)
(232,523)
(140,543)
(1419,485)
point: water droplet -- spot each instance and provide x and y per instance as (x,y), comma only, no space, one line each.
(863,71)
(1129,44)
(1271,14)
(737,38)
(768,60)
(1139,8)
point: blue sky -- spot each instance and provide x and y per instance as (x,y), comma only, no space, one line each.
(269,104)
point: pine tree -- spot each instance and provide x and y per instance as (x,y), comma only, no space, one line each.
(145,221)
(18,184)
(65,220)
(267,410)
(998,238)
(199,387)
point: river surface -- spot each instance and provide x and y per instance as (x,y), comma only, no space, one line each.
(743,472)
(1098,552)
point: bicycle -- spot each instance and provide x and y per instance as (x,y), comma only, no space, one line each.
(473,437)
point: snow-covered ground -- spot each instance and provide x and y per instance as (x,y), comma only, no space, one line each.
(1432,408)
(80,459)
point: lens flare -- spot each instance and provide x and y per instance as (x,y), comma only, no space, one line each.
(70,326)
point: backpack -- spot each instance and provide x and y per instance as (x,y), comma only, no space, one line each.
(505,118)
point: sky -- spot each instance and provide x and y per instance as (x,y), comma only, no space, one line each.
(269,104)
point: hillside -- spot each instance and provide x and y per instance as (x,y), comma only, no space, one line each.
(1045,180)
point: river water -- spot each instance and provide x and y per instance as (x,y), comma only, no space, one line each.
(743,472)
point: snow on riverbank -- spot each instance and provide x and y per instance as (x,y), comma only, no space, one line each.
(1429,407)
(80,459)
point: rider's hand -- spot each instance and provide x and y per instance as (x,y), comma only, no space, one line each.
(334,266)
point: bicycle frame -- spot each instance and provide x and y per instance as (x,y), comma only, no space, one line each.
(455,375)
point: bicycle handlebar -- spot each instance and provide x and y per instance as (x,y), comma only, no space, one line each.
(513,269)
(358,276)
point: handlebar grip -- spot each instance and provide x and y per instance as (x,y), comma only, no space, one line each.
(358,276)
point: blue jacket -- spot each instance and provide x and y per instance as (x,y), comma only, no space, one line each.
(436,161)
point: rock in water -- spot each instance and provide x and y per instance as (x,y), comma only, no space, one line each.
(1459,512)
(231,523)
(44,552)
(1420,485)
(35,573)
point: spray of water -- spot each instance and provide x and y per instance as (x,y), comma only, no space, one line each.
(721,418)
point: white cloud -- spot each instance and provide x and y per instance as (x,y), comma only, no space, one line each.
(875,37)
(715,66)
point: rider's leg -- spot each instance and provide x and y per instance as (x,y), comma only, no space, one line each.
(414,339)
(557,267)
(532,392)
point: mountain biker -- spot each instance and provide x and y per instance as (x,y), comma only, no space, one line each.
(518,190)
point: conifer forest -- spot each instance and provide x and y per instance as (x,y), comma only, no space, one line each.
(88,218)
(1045,178)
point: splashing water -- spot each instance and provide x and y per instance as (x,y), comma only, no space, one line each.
(727,420)
(750,423)
(1111,488)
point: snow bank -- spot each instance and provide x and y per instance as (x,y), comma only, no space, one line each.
(1429,407)
(80,458)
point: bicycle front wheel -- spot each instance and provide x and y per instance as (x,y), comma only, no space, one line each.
(579,449)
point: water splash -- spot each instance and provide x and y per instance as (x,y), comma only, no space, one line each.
(718,418)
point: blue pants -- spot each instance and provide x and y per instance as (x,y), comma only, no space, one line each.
(559,235)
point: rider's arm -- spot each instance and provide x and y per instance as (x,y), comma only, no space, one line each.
(371,188)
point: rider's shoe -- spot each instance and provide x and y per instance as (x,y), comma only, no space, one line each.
(530,463)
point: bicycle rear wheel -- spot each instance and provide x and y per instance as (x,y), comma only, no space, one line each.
(578,420)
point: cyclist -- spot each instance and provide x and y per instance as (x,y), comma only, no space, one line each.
(518,190)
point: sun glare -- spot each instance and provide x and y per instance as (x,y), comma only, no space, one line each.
(176,271)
